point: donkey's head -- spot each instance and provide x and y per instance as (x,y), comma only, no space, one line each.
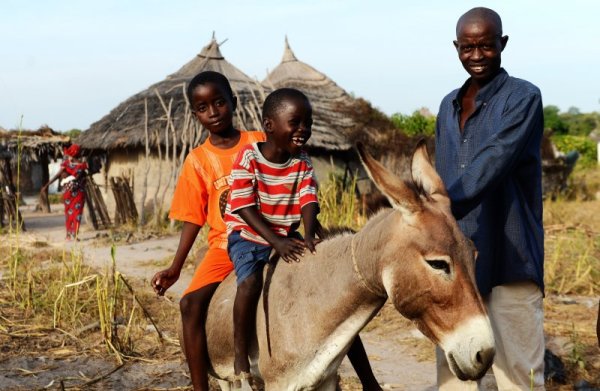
(427,265)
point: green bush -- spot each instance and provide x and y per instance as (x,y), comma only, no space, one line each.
(554,121)
(73,133)
(586,148)
(415,124)
(572,122)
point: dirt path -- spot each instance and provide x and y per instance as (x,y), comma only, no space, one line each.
(394,358)
(140,260)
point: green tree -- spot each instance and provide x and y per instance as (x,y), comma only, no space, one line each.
(414,124)
(73,133)
(585,146)
(579,124)
(553,120)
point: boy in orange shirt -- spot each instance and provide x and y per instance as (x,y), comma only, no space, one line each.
(200,198)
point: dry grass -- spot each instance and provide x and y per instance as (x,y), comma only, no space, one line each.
(51,300)
(572,267)
(339,206)
(572,245)
(569,324)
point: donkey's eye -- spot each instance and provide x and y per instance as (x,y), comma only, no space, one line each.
(439,264)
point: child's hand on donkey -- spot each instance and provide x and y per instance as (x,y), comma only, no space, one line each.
(290,249)
(311,244)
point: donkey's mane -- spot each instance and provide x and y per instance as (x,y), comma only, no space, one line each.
(339,231)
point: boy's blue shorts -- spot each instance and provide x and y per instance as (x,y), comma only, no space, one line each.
(247,257)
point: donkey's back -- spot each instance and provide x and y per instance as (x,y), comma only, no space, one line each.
(307,317)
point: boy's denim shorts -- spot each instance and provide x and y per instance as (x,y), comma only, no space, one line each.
(247,257)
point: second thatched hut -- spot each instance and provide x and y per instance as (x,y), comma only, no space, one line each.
(339,118)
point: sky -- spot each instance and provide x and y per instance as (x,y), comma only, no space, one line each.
(68,63)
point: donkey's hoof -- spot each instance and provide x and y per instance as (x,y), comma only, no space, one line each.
(244,382)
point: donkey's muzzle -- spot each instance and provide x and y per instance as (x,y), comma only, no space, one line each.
(477,367)
(470,348)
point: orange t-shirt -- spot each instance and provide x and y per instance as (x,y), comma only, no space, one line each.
(203,187)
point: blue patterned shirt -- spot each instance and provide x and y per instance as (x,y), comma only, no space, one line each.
(492,171)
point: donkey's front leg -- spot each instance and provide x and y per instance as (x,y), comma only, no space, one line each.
(225,385)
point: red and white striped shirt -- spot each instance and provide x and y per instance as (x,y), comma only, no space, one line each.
(279,191)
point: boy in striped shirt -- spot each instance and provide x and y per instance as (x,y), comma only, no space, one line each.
(273,188)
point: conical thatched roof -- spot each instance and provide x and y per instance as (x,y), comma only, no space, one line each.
(331,124)
(339,119)
(125,125)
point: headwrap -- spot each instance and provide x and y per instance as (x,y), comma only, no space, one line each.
(72,151)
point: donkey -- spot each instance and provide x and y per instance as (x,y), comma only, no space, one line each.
(414,254)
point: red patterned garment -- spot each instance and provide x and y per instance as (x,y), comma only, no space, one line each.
(73,195)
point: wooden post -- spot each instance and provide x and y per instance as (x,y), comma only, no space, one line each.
(142,219)
(156,210)
(91,207)
(43,200)
(99,204)
(170,175)
(1,209)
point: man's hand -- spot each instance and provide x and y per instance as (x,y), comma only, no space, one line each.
(163,280)
(289,249)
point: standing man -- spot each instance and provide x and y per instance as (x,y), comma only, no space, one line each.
(488,137)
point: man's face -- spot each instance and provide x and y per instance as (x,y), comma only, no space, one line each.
(479,46)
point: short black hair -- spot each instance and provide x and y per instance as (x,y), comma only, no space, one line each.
(275,100)
(208,77)
(480,13)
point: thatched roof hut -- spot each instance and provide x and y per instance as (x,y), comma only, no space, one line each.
(331,126)
(339,118)
(163,109)
(32,145)
(339,121)
(33,151)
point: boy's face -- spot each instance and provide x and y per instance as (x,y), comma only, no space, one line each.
(213,107)
(479,46)
(290,127)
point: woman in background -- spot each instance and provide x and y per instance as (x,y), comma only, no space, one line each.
(72,172)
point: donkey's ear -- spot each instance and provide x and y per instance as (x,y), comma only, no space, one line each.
(397,192)
(424,175)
